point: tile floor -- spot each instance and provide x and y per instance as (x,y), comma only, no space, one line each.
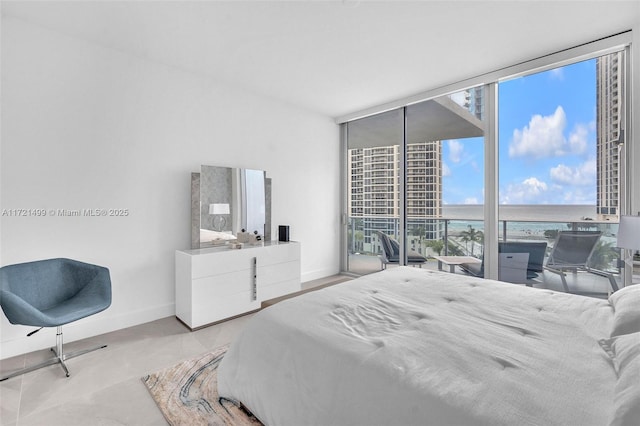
(105,386)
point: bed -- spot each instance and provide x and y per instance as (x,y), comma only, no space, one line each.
(408,346)
(208,236)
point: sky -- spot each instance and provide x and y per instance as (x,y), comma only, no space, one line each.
(547,143)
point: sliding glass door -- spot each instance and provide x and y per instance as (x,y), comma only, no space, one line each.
(415,177)
(373,188)
(445,175)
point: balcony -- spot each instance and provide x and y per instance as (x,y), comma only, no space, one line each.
(451,231)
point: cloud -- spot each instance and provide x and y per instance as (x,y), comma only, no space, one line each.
(578,139)
(580,196)
(568,185)
(446,171)
(582,175)
(455,150)
(529,191)
(544,137)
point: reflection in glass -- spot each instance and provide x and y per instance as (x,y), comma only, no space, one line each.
(225,201)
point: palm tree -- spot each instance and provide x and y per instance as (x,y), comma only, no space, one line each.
(464,236)
(419,232)
(354,228)
(453,249)
(359,238)
(481,241)
(471,235)
(436,245)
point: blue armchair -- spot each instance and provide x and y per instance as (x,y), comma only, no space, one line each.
(51,293)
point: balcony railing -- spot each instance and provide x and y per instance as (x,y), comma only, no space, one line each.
(451,230)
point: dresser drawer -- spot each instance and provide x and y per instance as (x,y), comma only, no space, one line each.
(220,283)
(220,263)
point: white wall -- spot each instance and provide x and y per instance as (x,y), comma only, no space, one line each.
(86,127)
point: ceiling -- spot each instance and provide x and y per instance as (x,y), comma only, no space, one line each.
(333,57)
(432,120)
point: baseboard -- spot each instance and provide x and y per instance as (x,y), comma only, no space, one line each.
(317,274)
(87,327)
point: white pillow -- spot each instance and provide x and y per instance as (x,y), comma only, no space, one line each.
(624,352)
(626,306)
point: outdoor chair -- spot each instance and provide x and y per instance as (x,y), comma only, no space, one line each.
(535,251)
(391,252)
(512,268)
(572,252)
(51,293)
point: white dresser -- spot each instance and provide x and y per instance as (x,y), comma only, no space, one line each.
(218,283)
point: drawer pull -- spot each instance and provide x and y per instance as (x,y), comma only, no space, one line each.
(254,280)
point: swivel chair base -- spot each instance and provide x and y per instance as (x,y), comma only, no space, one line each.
(60,357)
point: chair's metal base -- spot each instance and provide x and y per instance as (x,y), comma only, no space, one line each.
(60,357)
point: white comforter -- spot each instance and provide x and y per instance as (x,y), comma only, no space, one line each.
(413,347)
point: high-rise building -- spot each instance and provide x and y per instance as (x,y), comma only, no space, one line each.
(424,189)
(374,191)
(609,103)
(373,194)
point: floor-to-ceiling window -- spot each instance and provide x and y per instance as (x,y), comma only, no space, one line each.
(558,140)
(559,158)
(373,195)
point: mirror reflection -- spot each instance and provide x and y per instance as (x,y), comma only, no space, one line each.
(228,201)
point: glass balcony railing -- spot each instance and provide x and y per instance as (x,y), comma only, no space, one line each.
(465,237)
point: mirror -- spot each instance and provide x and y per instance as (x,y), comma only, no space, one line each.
(225,200)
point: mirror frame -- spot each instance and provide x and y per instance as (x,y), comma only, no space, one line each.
(196,209)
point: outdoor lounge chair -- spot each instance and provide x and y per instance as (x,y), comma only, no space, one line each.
(572,252)
(391,252)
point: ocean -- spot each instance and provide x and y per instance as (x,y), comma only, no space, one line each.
(526,220)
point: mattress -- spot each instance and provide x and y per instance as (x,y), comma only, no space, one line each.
(408,346)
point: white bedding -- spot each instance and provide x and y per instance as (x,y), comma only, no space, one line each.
(408,346)
(210,236)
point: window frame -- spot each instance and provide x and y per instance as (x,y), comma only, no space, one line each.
(620,42)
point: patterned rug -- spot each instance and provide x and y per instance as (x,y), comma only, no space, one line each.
(187,394)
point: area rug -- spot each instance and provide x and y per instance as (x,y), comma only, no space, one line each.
(187,394)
